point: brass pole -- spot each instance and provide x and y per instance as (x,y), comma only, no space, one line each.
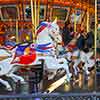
(35,14)
(95,45)
(38,12)
(87,21)
(17,40)
(75,20)
(33,22)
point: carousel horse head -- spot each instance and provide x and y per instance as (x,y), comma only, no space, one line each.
(54,31)
(51,29)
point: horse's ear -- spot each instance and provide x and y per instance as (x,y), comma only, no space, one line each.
(55,21)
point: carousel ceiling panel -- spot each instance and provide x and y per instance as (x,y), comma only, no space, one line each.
(74,3)
(15,1)
(20,1)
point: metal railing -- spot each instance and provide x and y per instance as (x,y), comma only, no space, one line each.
(53,96)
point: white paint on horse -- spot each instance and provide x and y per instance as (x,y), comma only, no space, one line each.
(79,55)
(52,30)
(53,64)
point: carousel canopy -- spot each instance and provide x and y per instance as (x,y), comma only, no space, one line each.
(61,2)
(82,4)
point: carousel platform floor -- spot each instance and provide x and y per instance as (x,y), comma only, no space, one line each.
(62,88)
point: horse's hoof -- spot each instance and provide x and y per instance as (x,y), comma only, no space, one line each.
(69,78)
(23,82)
(87,73)
(66,82)
(47,91)
(92,68)
(9,89)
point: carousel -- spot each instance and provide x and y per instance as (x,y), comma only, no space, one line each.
(33,54)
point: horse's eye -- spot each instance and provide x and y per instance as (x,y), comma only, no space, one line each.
(57,38)
(53,32)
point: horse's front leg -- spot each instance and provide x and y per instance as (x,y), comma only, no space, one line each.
(5,83)
(88,62)
(17,78)
(75,60)
(75,66)
(89,65)
(64,64)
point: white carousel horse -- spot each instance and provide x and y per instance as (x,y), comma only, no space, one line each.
(81,56)
(77,56)
(51,34)
(73,53)
(8,69)
(48,33)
